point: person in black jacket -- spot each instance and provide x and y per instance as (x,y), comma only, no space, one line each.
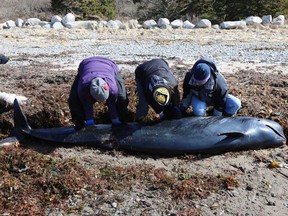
(157,87)
(205,86)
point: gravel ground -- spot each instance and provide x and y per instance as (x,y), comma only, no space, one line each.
(248,46)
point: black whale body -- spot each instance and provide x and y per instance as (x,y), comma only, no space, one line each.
(189,135)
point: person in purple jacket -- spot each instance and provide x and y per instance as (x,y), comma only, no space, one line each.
(98,80)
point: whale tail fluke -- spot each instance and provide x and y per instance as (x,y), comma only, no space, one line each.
(20,122)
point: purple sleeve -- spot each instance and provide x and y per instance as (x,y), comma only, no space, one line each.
(91,68)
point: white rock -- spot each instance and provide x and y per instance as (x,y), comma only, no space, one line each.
(163,23)
(19,22)
(113,24)
(203,23)
(280,20)
(148,24)
(44,23)
(57,25)
(233,24)
(55,18)
(253,20)
(48,25)
(102,24)
(10,24)
(188,25)
(32,22)
(82,25)
(215,26)
(266,20)
(177,23)
(68,18)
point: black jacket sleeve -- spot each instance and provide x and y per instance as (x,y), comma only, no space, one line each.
(220,93)
(186,86)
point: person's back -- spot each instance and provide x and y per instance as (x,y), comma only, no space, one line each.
(98,80)
(157,87)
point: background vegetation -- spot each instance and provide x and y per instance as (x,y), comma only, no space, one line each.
(216,11)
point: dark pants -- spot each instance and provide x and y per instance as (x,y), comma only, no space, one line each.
(122,100)
(77,110)
(75,106)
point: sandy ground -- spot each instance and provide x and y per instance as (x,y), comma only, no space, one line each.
(262,190)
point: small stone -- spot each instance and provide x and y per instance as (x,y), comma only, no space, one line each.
(114,205)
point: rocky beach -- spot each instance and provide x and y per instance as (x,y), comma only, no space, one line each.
(42,66)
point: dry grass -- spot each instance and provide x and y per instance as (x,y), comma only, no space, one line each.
(34,183)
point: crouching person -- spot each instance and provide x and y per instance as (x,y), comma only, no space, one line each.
(205,86)
(98,80)
(157,88)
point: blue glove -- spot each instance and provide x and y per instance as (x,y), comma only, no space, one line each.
(177,109)
(116,122)
(162,115)
(89,122)
(217,112)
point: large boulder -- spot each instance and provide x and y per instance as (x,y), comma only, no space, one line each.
(68,18)
(149,24)
(280,20)
(55,18)
(92,25)
(266,20)
(188,25)
(31,22)
(203,23)
(19,22)
(253,20)
(163,23)
(233,25)
(178,23)
(10,24)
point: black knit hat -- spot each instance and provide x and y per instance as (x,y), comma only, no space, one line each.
(201,74)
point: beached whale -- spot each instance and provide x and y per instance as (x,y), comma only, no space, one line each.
(188,135)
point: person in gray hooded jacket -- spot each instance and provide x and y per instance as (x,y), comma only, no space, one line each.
(205,86)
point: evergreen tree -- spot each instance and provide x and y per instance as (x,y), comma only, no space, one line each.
(86,8)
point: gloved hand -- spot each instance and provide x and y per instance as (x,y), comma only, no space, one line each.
(162,115)
(89,122)
(217,112)
(116,121)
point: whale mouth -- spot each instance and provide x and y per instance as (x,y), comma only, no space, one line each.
(277,132)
